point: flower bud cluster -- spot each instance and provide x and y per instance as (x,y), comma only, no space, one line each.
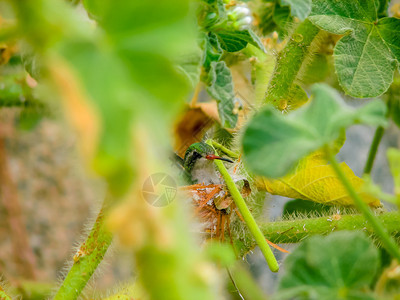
(240,16)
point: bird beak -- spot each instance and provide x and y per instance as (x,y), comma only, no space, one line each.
(212,157)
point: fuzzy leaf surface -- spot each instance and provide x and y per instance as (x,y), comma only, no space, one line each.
(221,89)
(367,56)
(339,266)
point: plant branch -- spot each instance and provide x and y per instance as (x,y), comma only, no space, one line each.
(290,61)
(87,258)
(387,241)
(228,152)
(373,149)
(294,231)
(247,216)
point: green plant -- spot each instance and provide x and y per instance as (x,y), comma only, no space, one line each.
(122,74)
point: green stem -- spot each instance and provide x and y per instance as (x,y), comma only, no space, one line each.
(387,241)
(290,61)
(294,231)
(373,150)
(228,152)
(87,258)
(247,216)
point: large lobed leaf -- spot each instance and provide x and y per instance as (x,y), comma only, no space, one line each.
(368,54)
(273,143)
(339,266)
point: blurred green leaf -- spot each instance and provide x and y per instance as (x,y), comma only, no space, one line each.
(221,89)
(273,143)
(220,253)
(266,12)
(242,281)
(317,71)
(383,8)
(394,163)
(283,19)
(365,58)
(393,98)
(128,72)
(30,117)
(339,266)
(395,111)
(190,65)
(298,8)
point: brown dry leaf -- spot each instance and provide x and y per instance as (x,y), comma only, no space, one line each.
(314,179)
(77,106)
(191,127)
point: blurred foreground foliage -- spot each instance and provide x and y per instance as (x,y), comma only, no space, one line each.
(122,74)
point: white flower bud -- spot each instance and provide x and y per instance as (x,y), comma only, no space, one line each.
(241,11)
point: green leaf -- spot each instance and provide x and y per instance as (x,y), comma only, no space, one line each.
(318,69)
(393,96)
(127,69)
(368,54)
(236,40)
(298,8)
(221,89)
(266,13)
(222,254)
(383,8)
(189,65)
(395,111)
(273,143)
(283,19)
(212,50)
(339,266)
(394,163)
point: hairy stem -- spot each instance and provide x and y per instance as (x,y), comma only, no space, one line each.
(294,231)
(290,61)
(87,258)
(373,149)
(247,216)
(380,230)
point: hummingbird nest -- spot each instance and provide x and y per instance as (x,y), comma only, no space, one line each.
(215,209)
